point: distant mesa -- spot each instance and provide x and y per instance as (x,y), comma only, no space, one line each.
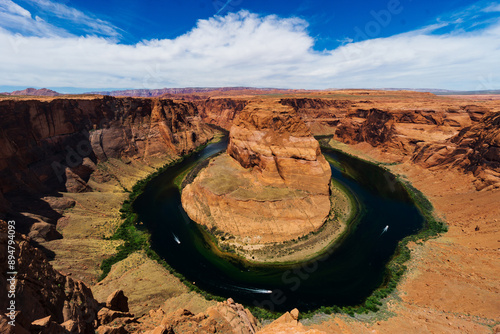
(34,92)
(271,185)
(205,91)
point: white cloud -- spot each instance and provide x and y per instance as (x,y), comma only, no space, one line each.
(89,24)
(493,8)
(17,19)
(246,49)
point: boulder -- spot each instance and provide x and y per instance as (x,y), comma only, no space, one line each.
(48,298)
(111,330)
(42,231)
(105,315)
(117,301)
(225,317)
(46,326)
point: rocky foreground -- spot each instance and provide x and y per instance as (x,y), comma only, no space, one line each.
(48,302)
(271,186)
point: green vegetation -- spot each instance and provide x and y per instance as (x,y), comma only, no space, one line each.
(180,178)
(262,313)
(136,239)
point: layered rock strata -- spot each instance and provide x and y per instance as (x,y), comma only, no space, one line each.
(475,149)
(56,145)
(271,186)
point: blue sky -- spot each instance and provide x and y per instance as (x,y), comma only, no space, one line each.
(83,45)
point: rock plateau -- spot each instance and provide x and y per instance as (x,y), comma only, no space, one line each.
(272,184)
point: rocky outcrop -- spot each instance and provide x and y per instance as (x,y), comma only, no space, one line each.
(56,145)
(220,112)
(401,131)
(46,300)
(288,323)
(271,186)
(278,145)
(476,113)
(225,317)
(378,128)
(117,301)
(475,149)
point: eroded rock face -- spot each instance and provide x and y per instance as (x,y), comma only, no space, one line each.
(278,144)
(271,186)
(475,149)
(56,144)
(376,129)
(46,299)
(51,146)
(225,317)
(220,111)
(117,301)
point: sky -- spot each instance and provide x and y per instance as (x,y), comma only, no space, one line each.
(80,46)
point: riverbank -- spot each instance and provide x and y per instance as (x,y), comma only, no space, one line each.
(135,237)
(255,251)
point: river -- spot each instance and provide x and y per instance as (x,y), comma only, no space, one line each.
(348,273)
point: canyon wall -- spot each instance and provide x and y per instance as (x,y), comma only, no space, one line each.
(410,125)
(475,149)
(275,142)
(50,146)
(56,145)
(220,112)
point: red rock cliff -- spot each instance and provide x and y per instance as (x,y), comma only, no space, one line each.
(475,149)
(279,145)
(55,145)
(273,185)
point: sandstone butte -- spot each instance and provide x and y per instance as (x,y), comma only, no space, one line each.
(271,185)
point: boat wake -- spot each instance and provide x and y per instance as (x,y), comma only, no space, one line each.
(385,229)
(254,290)
(176,239)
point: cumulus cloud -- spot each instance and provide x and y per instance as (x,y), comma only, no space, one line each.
(246,49)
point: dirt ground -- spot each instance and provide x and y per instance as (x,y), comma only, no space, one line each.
(453,282)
